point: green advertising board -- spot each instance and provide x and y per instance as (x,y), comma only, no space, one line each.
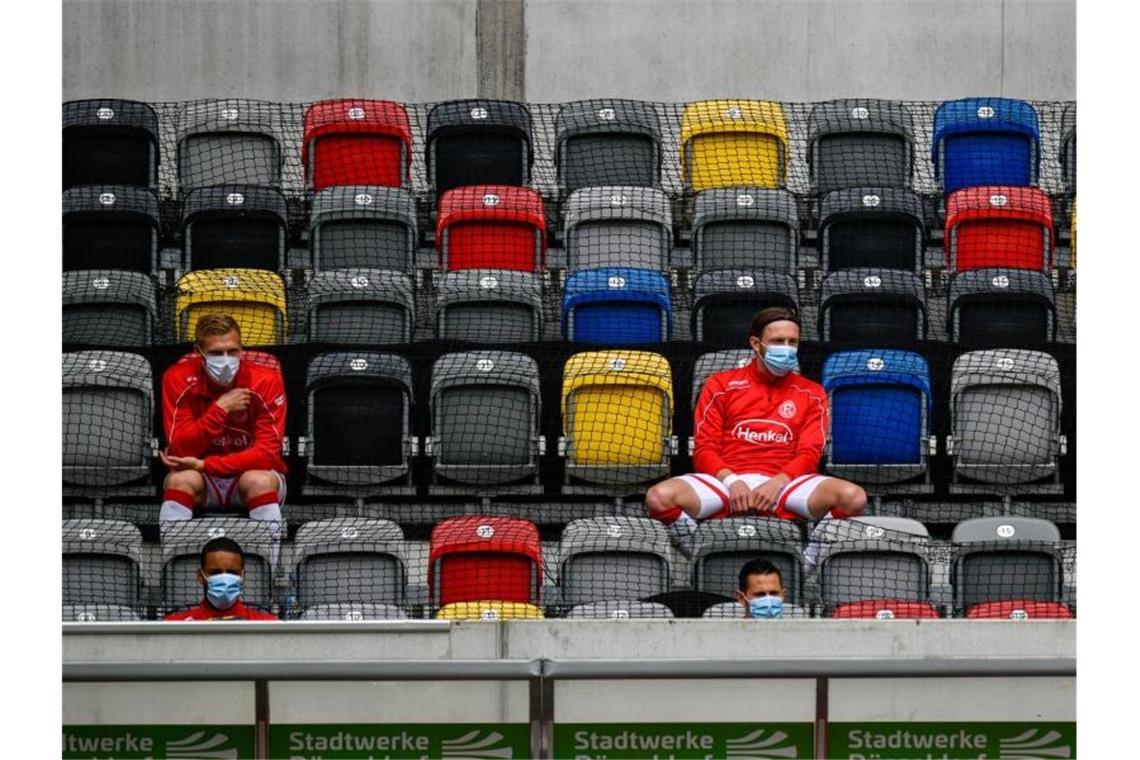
(682,740)
(373,741)
(864,741)
(213,741)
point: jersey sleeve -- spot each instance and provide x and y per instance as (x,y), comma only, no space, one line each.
(708,429)
(812,436)
(186,436)
(268,407)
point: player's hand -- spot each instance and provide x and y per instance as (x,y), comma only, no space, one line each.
(177,464)
(738,497)
(763,498)
(234,400)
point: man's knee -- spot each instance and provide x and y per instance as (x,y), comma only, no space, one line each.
(658,499)
(851,499)
(188,481)
(256,482)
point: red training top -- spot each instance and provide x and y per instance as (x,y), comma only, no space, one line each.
(205,612)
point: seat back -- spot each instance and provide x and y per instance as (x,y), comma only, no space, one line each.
(872,558)
(885,609)
(363,226)
(620,609)
(489,305)
(879,227)
(1069,146)
(732,143)
(478,142)
(479,558)
(108,308)
(617,306)
(857,143)
(110,227)
(100,613)
(101,565)
(612,558)
(722,547)
(872,307)
(607,141)
(985,141)
(109,141)
(491,227)
(228,226)
(717,361)
(489,610)
(253,297)
(618,226)
(725,301)
(182,543)
(351,141)
(350,560)
(231,141)
(361,307)
(1002,307)
(353,612)
(1020,609)
(1006,559)
(746,228)
(999,226)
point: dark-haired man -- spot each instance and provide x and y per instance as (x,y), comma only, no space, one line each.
(760,590)
(221,571)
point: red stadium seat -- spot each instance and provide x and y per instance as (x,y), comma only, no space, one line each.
(479,558)
(998,226)
(1020,609)
(357,142)
(885,609)
(491,227)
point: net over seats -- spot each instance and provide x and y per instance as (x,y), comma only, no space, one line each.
(253,297)
(612,558)
(860,143)
(485,413)
(182,543)
(109,142)
(1005,416)
(360,306)
(355,612)
(228,142)
(491,227)
(717,361)
(1021,609)
(357,142)
(108,308)
(101,564)
(874,307)
(620,609)
(985,141)
(746,228)
(733,143)
(1002,307)
(110,227)
(1006,559)
(725,301)
(490,611)
(358,419)
(478,142)
(1069,146)
(479,558)
(108,413)
(234,226)
(885,609)
(871,227)
(617,306)
(617,415)
(607,142)
(618,226)
(881,415)
(489,305)
(722,547)
(349,560)
(100,613)
(363,226)
(999,226)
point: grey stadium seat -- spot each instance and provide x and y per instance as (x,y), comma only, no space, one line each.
(478,142)
(618,226)
(360,306)
(353,612)
(619,609)
(746,228)
(108,413)
(857,143)
(99,613)
(363,226)
(234,225)
(111,227)
(726,300)
(350,560)
(1006,558)
(182,543)
(109,141)
(879,227)
(613,558)
(872,307)
(108,308)
(872,558)
(229,142)
(607,141)
(1069,146)
(722,547)
(101,563)
(716,361)
(1002,307)
(733,611)
(485,411)
(489,305)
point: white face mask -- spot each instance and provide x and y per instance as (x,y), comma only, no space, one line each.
(222,369)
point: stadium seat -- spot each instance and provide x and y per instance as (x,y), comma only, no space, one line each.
(885,609)
(733,611)
(619,609)
(228,142)
(876,227)
(363,226)
(1020,609)
(113,142)
(999,226)
(612,558)
(618,226)
(733,143)
(486,408)
(478,142)
(108,418)
(1005,416)
(110,227)
(1006,559)
(617,414)
(489,305)
(717,361)
(491,227)
(859,143)
(481,558)
(616,306)
(254,297)
(1002,307)
(358,418)
(881,415)
(872,307)
(108,308)
(489,610)
(1069,146)
(607,142)
(349,560)
(746,228)
(725,301)
(354,612)
(101,564)
(985,141)
(182,543)
(879,558)
(99,613)
(234,226)
(361,307)
(722,547)
(356,142)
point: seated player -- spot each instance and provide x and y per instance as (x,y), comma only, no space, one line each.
(759,431)
(221,571)
(761,590)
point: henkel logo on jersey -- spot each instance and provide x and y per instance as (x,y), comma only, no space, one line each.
(760,431)
(229,441)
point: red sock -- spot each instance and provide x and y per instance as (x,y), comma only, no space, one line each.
(178,497)
(269,497)
(669,516)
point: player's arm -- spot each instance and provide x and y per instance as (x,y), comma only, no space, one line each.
(810,441)
(708,435)
(187,436)
(267,407)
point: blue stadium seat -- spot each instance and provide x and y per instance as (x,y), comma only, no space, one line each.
(985,141)
(617,306)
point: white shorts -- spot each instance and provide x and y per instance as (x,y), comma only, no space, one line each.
(791,504)
(222,493)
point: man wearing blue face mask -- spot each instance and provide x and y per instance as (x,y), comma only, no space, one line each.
(221,572)
(761,590)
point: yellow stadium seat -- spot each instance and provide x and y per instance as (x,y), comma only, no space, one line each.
(489,610)
(730,143)
(617,416)
(254,297)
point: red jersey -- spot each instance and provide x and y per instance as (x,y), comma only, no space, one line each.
(205,612)
(228,443)
(750,421)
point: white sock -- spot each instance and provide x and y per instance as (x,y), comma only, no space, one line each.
(172,511)
(270,513)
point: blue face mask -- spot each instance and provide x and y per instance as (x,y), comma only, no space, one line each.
(780,360)
(766,607)
(223,590)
